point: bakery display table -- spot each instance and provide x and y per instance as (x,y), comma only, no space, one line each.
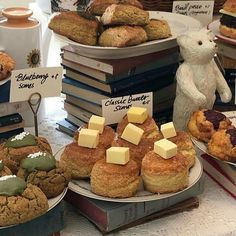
(215,216)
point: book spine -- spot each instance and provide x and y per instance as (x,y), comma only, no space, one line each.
(11,133)
(10,119)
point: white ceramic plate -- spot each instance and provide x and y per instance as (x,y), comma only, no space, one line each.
(203,146)
(52,202)
(179,24)
(214,27)
(83,187)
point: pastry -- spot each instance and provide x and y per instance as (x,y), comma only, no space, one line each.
(157,29)
(98,7)
(223,144)
(228,19)
(4,170)
(116,181)
(164,175)
(80,160)
(75,27)
(124,15)
(7,64)
(122,36)
(19,202)
(41,169)
(18,147)
(204,123)
(185,147)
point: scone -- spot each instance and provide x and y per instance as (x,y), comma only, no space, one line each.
(80,160)
(7,64)
(164,175)
(115,181)
(4,170)
(75,27)
(98,7)
(223,144)
(41,169)
(19,202)
(105,139)
(204,123)
(157,29)
(185,147)
(122,36)
(18,147)
(119,14)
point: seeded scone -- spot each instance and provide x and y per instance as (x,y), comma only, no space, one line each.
(20,202)
(75,27)
(42,170)
(18,147)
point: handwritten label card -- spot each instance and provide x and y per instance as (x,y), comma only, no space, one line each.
(114,109)
(200,10)
(46,81)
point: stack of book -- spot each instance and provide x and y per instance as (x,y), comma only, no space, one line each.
(10,125)
(88,81)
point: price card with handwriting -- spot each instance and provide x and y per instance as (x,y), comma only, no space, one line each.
(46,81)
(200,10)
(114,109)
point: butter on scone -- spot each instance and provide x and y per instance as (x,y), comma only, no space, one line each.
(117,155)
(96,123)
(137,115)
(88,138)
(165,148)
(132,134)
(168,130)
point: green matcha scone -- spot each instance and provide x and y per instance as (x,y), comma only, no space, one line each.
(42,170)
(20,202)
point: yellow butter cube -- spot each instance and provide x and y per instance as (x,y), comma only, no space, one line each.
(165,148)
(137,115)
(96,123)
(88,138)
(132,134)
(117,155)
(168,130)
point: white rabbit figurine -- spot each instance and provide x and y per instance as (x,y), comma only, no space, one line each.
(198,77)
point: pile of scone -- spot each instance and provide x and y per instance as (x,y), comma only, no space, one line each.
(116,163)
(111,23)
(215,129)
(29,175)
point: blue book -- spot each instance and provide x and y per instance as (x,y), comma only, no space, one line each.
(5,92)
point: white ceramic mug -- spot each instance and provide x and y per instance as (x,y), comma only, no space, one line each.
(21,37)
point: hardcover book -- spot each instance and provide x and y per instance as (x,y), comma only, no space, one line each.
(66,127)
(74,120)
(10,119)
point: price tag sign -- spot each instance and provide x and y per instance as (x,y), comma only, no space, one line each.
(114,109)
(200,10)
(45,81)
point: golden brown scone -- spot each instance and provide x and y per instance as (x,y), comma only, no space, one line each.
(227,31)
(12,157)
(223,144)
(116,181)
(52,182)
(124,15)
(185,147)
(122,36)
(157,29)
(75,27)
(204,123)
(98,7)
(149,126)
(5,171)
(105,139)
(80,160)
(164,175)
(7,64)
(22,208)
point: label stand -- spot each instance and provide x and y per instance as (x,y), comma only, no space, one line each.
(34,103)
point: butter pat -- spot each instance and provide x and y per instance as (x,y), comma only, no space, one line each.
(96,123)
(168,130)
(132,134)
(165,148)
(88,138)
(117,155)
(137,115)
